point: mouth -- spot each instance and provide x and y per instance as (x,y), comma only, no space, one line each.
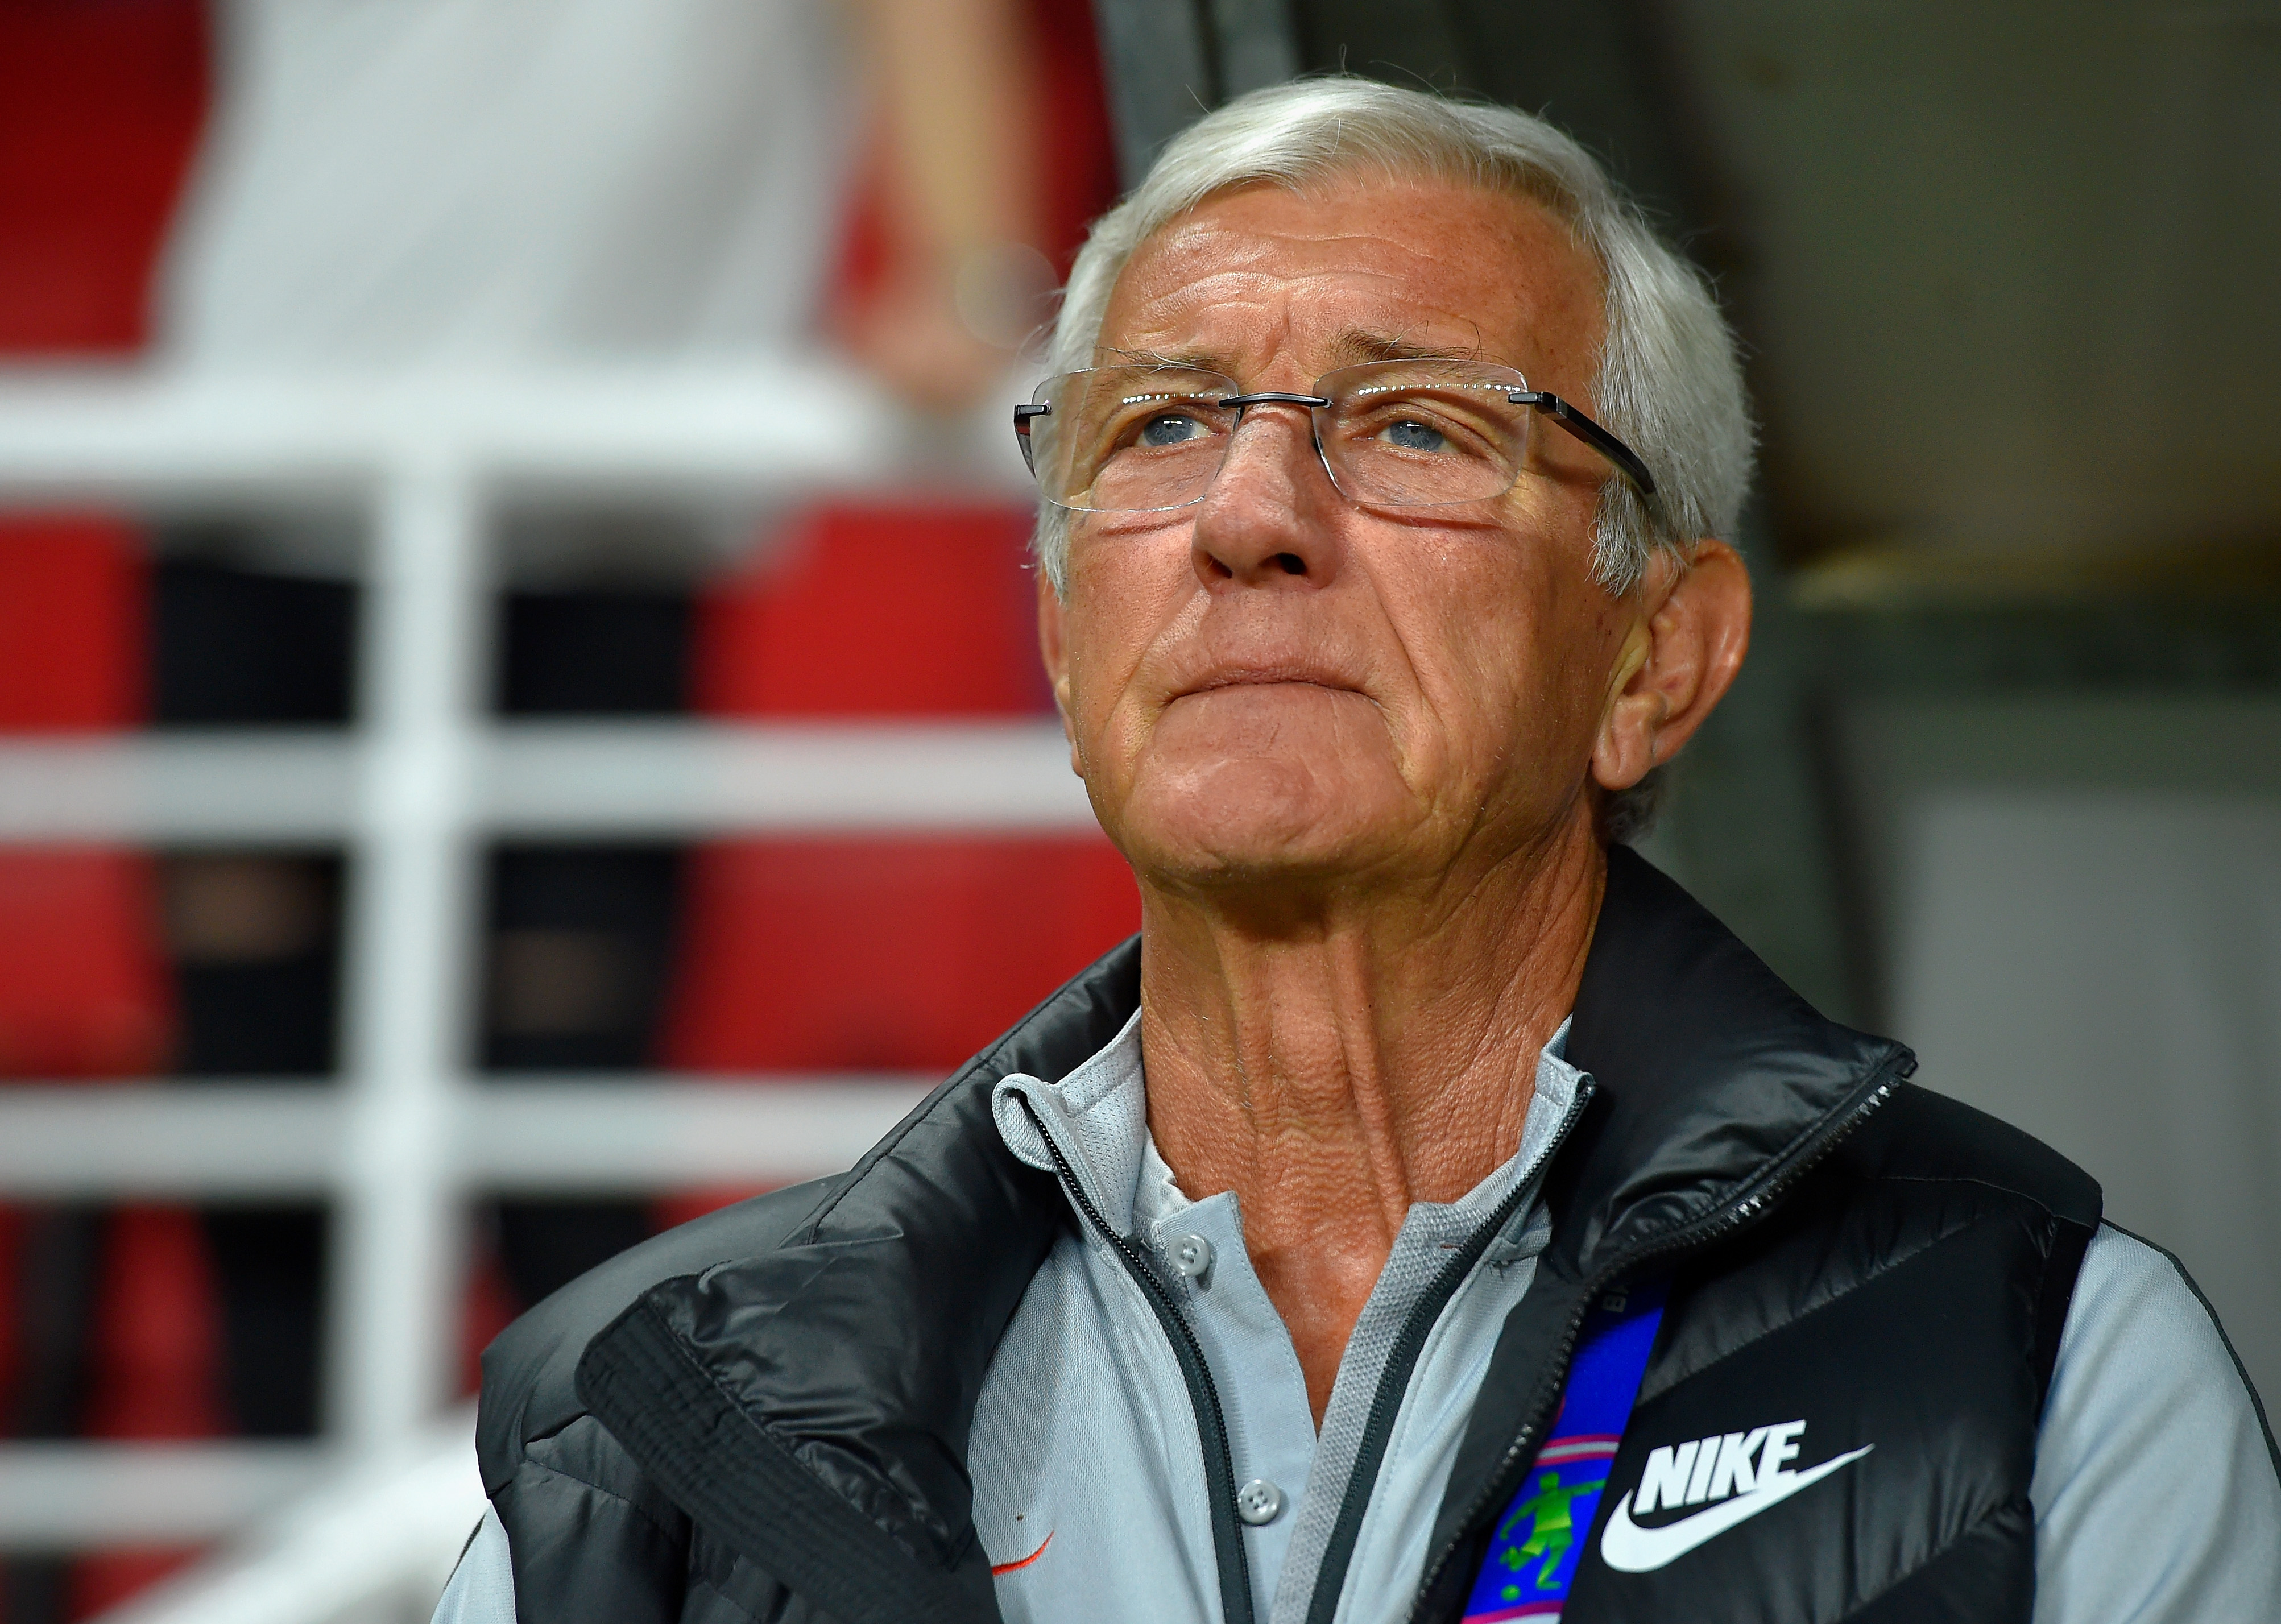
(1270,677)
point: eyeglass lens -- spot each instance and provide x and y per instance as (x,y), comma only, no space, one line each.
(1136,439)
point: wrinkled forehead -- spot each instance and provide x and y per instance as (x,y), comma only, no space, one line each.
(1277,286)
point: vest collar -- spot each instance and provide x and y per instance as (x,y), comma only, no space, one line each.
(1712,1074)
(810,1406)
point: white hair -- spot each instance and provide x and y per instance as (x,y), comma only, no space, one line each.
(1669,384)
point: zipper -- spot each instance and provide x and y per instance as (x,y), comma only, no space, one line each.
(1204,1397)
(1761,1192)
(1401,1359)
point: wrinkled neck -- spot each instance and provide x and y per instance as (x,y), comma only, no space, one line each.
(1333,1065)
(1394,1037)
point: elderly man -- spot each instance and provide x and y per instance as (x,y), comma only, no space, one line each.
(1434,1214)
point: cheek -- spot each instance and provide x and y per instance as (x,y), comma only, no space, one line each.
(1471,628)
(1121,601)
(1525,677)
(1092,660)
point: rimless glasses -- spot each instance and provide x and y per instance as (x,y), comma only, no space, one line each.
(1146,439)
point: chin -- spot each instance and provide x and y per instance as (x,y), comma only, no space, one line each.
(1249,822)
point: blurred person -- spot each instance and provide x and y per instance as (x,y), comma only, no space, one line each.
(471,183)
(107,106)
(1433,1213)
(254,938)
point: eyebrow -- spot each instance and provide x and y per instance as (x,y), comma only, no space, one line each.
(1195,360)
(1353,347)
(1357,345)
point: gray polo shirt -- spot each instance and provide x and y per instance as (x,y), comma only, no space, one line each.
(2154,1497)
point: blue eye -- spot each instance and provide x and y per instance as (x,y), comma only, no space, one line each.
(1170,430)
(1411,434)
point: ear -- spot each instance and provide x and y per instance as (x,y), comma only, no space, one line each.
(1055,652)
(1690,630)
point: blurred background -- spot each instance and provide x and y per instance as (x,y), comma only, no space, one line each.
(518,719)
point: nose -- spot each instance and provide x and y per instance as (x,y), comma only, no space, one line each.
(1268,518)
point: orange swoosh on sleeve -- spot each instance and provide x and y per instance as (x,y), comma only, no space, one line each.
(997,1568)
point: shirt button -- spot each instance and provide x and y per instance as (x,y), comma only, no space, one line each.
(1258,1502)
(1191,1257)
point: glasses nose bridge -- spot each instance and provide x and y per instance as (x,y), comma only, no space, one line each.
(1313,405)
(1272,397)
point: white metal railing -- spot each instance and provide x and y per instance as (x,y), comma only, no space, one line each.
(374,1544)
(593,1134)
(552,778)
(155,1493)
(672,431)
(406,1133)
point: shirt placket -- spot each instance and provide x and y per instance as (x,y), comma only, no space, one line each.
(1262,1390)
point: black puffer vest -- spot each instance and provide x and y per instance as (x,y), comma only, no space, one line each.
(764,1415)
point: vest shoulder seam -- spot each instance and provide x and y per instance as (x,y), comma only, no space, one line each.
(886,1147)
(2012,1190)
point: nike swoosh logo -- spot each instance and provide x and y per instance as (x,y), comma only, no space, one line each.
(1630,1549)
(1016,1568)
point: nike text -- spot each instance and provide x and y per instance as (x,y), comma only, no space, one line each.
(1712,1468)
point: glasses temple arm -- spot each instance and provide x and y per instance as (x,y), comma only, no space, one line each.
(1600,439)
(1022,415)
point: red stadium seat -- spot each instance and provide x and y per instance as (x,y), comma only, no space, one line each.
(157,1343)
(881,951)
(890,954)
(73,624)
(101,106)
(100,111)
(83,989)
(890,609)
